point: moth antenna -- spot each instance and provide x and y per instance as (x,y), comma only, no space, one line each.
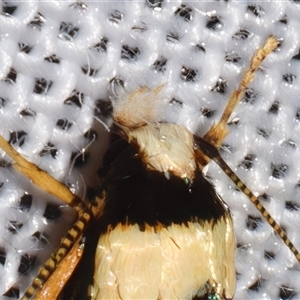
(52,290)
(36,175)
(204,147)
(219,131)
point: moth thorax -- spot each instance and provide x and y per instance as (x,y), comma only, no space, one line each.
(166,148)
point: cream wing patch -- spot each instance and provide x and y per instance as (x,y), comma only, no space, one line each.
(171,263)
(128,265)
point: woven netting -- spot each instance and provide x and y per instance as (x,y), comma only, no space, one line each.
(56,62)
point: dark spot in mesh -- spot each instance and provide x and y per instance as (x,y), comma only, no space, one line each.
(154,4)
(232,57)
(87,70)
(188,75)
(79,5)
(242,34)
(200,48)
(283,20)
(49,149)
(67,31)
(256,286)
(292,206)
(248,161)
(37,22)
(263,133)
(220,86)
(8,8)
(52,59)
(140,27)
(207,112)
(172,37)
(2,256)
(3,102)
(25,48)
(289,78)
(26,264)
(117,81)
(253,223)
(25,202)
(268,255)
(17,138)
(214,23)
(257,10)
(264,197)
(243,246)
(234,121)
(177,102)
(160,64)
(286,293)
(116,17)
(43,239)
(13,226)
(13,292)
(101,46)
(185,12)
(297,117)
(103,108)
(76,99)
(27,112)
(11,77)
(64,124)
(291,144)
(4,163)
(279,44)
(250,96)
(297,56)
(130,53)
(42,86)
(274,107)
(52,212)
(279,170)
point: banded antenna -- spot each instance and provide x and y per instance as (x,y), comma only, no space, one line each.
(213,153)
(210,144)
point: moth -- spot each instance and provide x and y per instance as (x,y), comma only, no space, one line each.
(164,231)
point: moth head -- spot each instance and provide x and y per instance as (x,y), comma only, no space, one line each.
(163,147)
(140,107)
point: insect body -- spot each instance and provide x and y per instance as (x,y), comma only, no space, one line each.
(164,231)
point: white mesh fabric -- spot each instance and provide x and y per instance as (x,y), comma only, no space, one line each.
(56,61)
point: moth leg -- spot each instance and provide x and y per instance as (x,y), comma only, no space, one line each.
(219,131)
